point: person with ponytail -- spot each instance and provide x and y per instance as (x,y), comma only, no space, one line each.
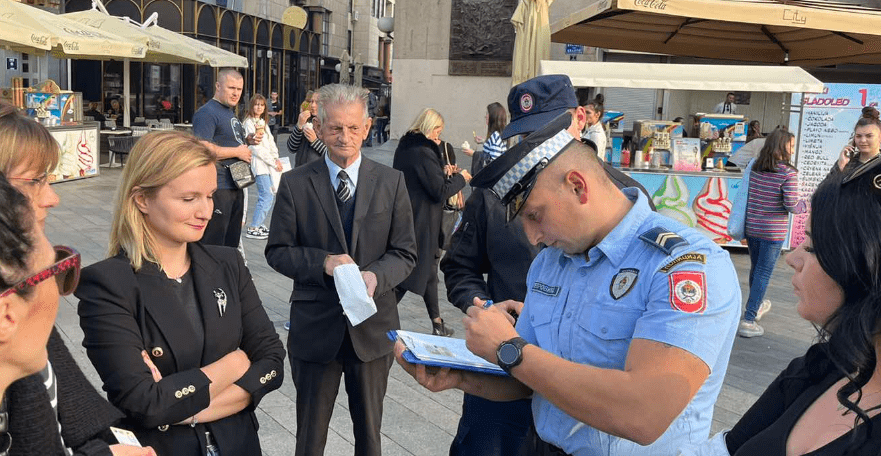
(595,131)
(866,141)
(828,401)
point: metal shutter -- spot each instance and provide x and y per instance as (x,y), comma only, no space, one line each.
(636,104)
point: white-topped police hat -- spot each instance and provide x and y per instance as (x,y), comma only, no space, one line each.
(512,175)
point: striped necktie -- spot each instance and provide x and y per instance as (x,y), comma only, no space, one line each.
(343,192)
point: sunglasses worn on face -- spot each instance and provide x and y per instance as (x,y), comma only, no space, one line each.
(870,165)
(66,271)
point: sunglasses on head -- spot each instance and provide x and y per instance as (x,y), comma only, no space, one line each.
(864,168)
(66,271)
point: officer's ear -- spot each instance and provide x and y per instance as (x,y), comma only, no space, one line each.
(576,182)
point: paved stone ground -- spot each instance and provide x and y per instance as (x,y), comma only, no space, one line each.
(416,422)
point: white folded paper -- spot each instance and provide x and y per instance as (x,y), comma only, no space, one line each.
(352,290)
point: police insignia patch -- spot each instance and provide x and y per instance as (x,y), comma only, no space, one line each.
(526,102)
(688,291)
(623,282)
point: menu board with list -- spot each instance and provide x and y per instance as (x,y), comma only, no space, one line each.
(827,124)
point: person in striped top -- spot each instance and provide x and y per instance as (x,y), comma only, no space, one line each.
(494,146)
(773,194)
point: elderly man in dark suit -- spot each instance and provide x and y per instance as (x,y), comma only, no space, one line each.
(344,208)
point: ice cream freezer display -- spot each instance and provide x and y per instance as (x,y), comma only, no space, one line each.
(79,151)
(701,200)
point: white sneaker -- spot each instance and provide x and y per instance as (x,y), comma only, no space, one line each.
(749,329)
(763,309)
(255,233)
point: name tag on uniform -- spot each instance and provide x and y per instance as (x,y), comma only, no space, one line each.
(547,290)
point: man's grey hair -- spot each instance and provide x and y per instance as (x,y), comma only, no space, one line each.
(340,94)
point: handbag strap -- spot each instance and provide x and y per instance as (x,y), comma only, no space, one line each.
(446,146)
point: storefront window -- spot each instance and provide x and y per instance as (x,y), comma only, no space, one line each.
(162,91)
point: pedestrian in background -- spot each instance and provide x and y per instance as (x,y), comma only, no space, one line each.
(264,164)
(173,326)
(866,141)
(430,182)
(773,195)
(595,131)
(274,112)
(222,132)
(303,142)
(496,119)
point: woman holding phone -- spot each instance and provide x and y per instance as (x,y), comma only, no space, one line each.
(866,142)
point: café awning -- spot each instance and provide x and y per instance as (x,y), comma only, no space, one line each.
(802,33)
(159,48)
(29,29)
(685,77)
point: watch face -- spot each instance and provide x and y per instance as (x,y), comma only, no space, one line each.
(508,353)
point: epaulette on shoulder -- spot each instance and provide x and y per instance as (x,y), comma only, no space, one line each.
(663,239)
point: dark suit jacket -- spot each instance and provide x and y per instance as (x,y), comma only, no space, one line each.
(420,160)
(306,228)
(123,312)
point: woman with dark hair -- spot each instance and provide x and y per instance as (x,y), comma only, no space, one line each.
(827,402)
(595,131)
(28,303)
(265,165)
(754,130)
(773,195)
(430,182)
(866,142)
(496,120)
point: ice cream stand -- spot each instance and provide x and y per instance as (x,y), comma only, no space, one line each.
(683,185)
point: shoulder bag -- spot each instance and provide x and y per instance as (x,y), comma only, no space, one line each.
(737,219)
(452,206)
(241,173)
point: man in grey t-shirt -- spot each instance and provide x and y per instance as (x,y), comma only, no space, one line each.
(216,123)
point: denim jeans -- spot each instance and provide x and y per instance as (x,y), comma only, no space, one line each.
(264,199)
(763,255)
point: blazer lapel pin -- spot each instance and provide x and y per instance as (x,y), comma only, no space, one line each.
(221,300)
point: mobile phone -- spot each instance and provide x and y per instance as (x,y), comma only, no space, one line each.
(854,150)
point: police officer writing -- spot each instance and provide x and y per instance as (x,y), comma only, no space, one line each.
(622,342)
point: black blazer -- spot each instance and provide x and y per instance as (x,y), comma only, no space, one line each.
(306,228)
(420,160)
(123,312)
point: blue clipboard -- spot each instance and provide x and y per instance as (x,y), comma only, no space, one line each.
(411,358)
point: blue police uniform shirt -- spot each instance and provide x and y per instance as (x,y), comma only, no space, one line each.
(650,278)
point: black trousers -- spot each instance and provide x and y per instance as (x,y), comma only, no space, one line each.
(317,385)
(225,226)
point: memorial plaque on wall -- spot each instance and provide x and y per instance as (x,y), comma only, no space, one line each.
(481,37)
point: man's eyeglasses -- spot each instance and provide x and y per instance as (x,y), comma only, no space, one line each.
(37,181)
(66,271)
(870,165)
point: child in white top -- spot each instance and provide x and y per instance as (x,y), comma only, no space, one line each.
(265,165)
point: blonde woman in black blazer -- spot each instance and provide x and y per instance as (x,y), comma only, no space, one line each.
(175,328)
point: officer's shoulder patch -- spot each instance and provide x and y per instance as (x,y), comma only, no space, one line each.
(663,239)
(688,257)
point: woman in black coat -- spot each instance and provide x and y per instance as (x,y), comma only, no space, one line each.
(175,328)
(430,182)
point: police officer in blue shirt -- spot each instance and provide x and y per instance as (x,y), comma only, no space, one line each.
(629,318)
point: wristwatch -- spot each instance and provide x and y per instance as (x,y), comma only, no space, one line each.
(510,353)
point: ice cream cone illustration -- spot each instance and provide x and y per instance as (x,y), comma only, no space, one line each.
(671,200)
(712,208)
